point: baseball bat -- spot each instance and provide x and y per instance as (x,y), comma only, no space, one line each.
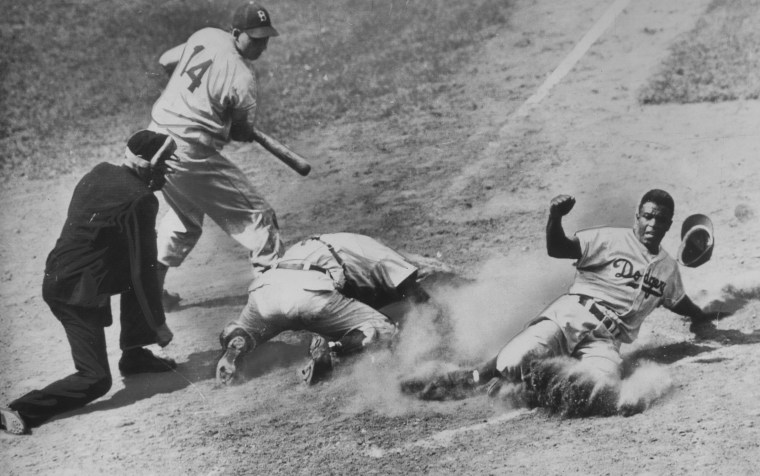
(290,158)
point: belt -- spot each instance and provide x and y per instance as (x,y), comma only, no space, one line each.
(302,265)
(602,313)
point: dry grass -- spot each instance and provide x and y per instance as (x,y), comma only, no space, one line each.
(719,60)
(73,94)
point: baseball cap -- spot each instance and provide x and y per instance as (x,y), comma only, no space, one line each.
(147,148)
(254,20)
(697,241)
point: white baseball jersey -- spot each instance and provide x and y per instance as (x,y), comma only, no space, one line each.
(209,82)
(617,269)
(364,268)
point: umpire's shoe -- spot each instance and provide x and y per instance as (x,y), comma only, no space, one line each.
(321,363)
(11,422)
(141,360)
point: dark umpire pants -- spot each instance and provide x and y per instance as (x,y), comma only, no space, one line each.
(85,331)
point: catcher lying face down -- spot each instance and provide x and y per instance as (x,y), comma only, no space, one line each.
(622,276)
(331,285)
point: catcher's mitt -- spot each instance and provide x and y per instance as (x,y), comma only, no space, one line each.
(696,241)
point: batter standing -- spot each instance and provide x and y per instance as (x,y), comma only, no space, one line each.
(209,100)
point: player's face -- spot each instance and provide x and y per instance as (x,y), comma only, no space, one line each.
(652,222)
(251,48)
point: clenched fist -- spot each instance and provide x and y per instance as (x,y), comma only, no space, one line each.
(561,205)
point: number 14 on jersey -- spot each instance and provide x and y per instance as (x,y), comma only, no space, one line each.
(197,71)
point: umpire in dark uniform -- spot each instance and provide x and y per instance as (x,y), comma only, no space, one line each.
(107,247)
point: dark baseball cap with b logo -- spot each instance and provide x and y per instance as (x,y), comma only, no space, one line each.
(254,20)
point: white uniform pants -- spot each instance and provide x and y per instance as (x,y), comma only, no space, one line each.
(206,183)
(544,339)
(274,309)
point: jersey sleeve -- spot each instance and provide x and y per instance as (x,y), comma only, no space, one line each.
(674,291)
(243,89)
(593,242)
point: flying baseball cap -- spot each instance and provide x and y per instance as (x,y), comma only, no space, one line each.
(254,20)
(697,241)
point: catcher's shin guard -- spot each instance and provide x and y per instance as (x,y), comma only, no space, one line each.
(350,343)
(235,343)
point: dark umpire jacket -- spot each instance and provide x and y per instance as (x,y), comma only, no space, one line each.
(107,245)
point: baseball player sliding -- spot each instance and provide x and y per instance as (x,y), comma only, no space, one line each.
(622,276)
(209,100)
(331,285)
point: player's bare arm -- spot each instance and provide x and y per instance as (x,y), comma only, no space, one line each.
(170,58)
(242,125)
(558,244)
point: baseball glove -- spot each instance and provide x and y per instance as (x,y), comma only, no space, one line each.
(697,241)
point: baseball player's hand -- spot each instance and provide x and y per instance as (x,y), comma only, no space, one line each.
(561,205)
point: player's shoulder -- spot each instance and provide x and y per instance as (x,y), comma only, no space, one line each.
(603,230)
(210,33)
(214,41)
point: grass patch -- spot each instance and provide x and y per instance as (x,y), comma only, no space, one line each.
(719,60)
(74,93)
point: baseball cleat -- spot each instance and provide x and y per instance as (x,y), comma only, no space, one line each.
(454,385)
(141,360)
(321,362)
(11,422)
(170,301)
(226,369)
(494,387)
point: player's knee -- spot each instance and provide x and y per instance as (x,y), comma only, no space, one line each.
(97,386)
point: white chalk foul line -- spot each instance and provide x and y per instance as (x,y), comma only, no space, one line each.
(444,438)
(571,59)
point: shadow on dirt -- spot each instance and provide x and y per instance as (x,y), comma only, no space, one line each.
(199,366)
(215,302)
(710,337)
(666,354)
(274,355)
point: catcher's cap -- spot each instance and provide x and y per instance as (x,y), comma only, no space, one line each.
(254,20)
(697,241)
(147,148)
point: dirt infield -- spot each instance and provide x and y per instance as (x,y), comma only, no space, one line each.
(467,182)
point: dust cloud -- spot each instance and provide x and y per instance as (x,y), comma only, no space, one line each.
(508,293)
(465,324)
(648,383)
(572,388)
